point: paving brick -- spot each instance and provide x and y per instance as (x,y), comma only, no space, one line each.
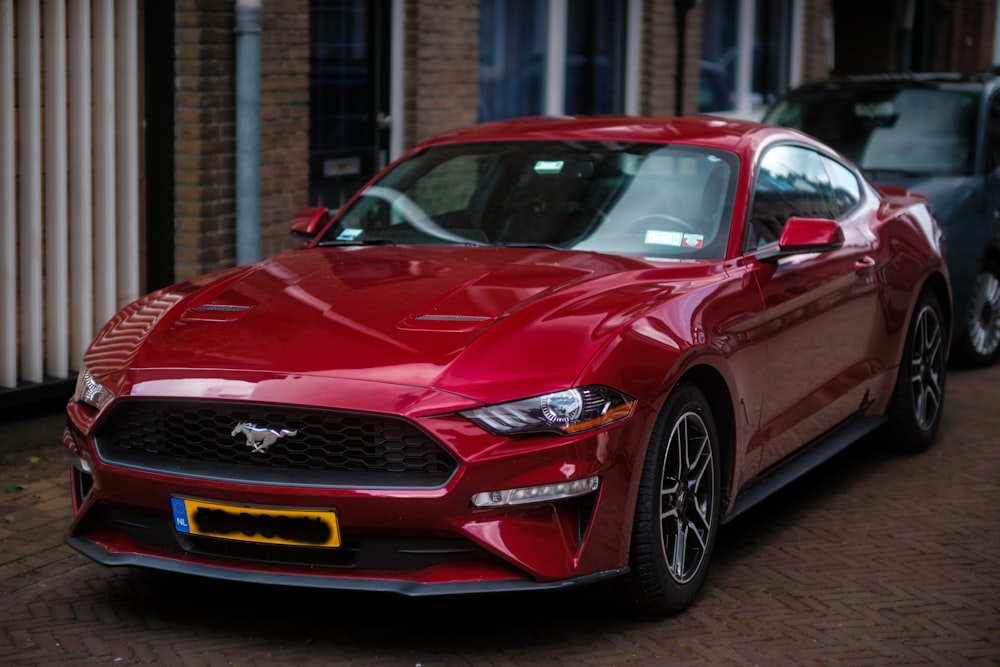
(871,560)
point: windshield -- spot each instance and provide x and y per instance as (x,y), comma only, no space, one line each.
(913,130)
(650,200)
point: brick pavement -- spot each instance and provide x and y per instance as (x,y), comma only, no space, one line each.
(871,560)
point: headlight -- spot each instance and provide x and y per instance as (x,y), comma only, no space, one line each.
(569,411)
(90,391)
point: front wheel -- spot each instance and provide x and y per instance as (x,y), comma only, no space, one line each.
(918,398)
(677,509)
(979,342)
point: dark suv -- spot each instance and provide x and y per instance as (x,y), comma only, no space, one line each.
(938,135)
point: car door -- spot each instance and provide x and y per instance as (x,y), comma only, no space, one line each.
(819,308)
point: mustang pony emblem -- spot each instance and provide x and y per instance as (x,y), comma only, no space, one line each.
(260,438)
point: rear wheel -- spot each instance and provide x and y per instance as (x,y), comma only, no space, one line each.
(677,510)
(917,401)
(980,342)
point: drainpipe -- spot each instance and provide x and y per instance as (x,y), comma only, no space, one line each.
(247,131)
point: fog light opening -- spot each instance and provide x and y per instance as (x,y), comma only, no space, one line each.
(82,483)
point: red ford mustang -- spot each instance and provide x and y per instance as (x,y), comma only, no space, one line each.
(531,354)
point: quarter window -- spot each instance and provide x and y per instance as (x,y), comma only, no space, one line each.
(845,191)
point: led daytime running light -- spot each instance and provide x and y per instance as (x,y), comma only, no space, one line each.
(537,494)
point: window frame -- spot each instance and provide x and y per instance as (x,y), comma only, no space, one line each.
(823,159)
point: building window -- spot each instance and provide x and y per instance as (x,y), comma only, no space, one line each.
(512,50)
(585,49)
(745,54)
(595,44)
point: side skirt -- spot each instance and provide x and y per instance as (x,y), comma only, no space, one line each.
(818,452)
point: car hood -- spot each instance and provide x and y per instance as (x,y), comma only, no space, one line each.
(471,321)
(948,194)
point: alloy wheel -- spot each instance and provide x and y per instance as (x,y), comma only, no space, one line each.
(984,315)
(686,497)
(927,367)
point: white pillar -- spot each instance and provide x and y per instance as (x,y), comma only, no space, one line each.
(29,271)
(105,247)
(8,208)
(56,197)
(127,167)
(81,184)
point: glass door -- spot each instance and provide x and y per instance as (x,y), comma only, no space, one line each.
(348,96)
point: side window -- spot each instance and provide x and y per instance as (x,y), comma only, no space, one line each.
(791,181)
(993,134)
(845,192)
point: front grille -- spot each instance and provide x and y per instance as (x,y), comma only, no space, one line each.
(316,448)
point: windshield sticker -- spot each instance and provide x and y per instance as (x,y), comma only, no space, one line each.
(676,239)
(548,166)
(349,234)
(657,237)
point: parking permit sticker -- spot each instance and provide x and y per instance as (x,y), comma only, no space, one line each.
(693,240)
(658,237)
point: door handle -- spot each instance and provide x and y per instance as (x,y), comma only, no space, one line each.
(864,264)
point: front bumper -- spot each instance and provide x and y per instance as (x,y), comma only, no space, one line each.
(413,541)
(485,580)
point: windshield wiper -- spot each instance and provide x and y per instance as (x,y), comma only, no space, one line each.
(371,241)
(533,245)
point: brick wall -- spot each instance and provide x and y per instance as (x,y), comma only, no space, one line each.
(817,46)
(972,37)
(284,120)
(205,129)
(204,136)
(658,82)
(659,55)
(441,69)
(440,92)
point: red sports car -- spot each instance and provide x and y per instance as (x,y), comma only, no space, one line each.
(531,354)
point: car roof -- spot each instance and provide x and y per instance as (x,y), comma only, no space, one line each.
(988,80)
(709,131)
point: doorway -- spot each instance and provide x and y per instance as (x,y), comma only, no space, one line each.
(348,96)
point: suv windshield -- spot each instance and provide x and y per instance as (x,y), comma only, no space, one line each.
(889,128)
(651,200)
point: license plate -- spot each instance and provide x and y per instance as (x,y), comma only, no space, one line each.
(262,525)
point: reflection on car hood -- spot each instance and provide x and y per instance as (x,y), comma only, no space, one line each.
(420,316)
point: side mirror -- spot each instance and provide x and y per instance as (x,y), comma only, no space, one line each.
(307,222)
(805,235)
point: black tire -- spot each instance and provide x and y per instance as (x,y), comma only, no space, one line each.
(918,399)
(677,509)
(979,343)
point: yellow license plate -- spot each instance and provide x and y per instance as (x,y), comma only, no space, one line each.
(262,525)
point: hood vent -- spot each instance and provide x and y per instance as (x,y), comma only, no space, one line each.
(221,308)
(450,318)
(217,312)
(453,323)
